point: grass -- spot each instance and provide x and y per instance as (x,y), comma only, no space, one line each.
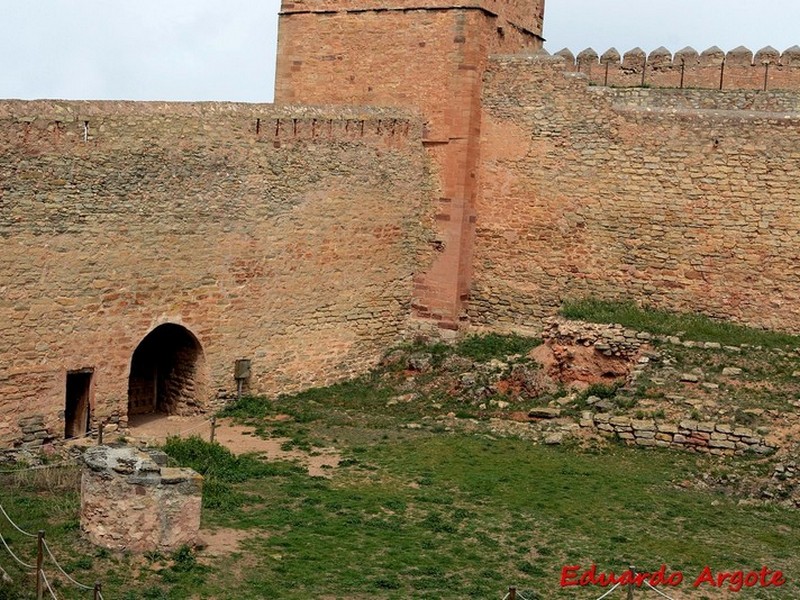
(419,508)
(220,468)
(492,345)
(687,326)
(442,516)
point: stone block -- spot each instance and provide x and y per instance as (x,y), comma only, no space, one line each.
(722,444)
(130,502)
(544,413)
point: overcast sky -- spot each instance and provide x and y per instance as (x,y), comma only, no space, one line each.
(225,50)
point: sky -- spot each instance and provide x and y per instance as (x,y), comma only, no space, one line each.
(225,50)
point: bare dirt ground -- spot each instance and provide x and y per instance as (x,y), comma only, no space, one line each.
(154,429)
(224,541)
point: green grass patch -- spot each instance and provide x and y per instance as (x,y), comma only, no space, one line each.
(221,468)
(440,516)
(485,347)
(687,326)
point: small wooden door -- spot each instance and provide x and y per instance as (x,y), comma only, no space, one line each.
(77,412)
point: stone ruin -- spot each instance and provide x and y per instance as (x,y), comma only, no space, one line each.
(130,500)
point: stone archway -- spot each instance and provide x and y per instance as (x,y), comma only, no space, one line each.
(168,374)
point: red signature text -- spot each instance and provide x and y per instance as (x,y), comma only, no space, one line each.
(735,581)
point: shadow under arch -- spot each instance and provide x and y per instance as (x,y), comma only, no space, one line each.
(168,373)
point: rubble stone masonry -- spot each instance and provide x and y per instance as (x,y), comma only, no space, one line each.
(683,199)
(288,236)
(130,500)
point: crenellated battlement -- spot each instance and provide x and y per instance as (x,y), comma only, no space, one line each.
(737,69)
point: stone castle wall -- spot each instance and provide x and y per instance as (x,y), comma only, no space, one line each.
(683,199)
(303,238)
(289,236)
(738,69)
(429,56)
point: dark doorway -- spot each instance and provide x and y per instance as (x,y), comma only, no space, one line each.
(166,371)
(77,412)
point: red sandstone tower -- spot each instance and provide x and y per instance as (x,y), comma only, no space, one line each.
(429,55)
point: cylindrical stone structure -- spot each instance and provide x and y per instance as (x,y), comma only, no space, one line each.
(131,501)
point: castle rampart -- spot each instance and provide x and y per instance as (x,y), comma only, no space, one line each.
(738,69)
(288,236)
(676,198)
(147,248)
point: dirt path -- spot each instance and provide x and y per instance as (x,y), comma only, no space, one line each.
(154,429)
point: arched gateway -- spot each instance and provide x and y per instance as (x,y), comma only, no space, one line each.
(167,374)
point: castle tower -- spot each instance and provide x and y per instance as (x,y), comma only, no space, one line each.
(424,54)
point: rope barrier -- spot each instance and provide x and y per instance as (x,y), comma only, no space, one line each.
(62,571)
(608,593)
(657,591)
(507,596)
(47,583)
(521,597)
(193,428)
(14,525)
(15,557)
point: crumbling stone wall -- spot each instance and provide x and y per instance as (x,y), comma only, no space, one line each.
(289,236)
(130,500)
(719,439)
(677,199)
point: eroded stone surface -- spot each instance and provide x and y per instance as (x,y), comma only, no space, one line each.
(131,501)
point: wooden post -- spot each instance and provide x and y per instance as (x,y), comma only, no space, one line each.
(97,588)
(512,593)
(605,82)
(39,563)
(722,74)
(766,76)
(683,70)
(213,427)
(630,585)
(100,434)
